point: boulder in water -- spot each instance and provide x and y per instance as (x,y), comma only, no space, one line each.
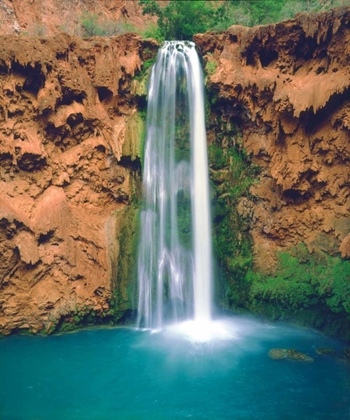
(291,354)
(277,354)
(325,351)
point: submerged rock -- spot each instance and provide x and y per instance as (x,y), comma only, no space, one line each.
(324,351)
(346,351)
(292,354)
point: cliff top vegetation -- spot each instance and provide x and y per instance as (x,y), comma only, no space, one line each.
(180,19)
(159,19)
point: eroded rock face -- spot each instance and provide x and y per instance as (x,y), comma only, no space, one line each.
(70,162)
(287,87)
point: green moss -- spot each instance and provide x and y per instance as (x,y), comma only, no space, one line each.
(231,174)
(184,219)
(301,282)
(210,67)
(313,289)
(134,136)
(125,284)
(140,80)
(182,145)
(146,66)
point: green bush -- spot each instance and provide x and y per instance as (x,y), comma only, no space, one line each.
(181,19)
(259,12)
(210,67)
(94,25)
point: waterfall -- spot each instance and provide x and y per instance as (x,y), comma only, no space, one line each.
(175,261)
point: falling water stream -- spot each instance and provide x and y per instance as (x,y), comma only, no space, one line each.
(174,264)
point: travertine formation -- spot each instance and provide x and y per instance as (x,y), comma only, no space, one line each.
(70,141)
(70,146)
(287,87)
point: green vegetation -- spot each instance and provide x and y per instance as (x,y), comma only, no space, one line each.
(94,25)
(303,280)
(231,174)
(259,12)
(311,288)
(210,67)
(181,19)
(139,88)
(184,219)
(87,317)
(78,318)
(127,263)
(143,74)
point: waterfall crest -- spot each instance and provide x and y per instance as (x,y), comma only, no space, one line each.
(175,261)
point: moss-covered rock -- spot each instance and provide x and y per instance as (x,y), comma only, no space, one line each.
(134,137)
(310,288)
(292,354)
(231,174)
(324,351)
(125,284)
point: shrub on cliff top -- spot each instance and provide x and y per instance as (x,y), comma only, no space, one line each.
(94,25)
(259,12)
(180,20)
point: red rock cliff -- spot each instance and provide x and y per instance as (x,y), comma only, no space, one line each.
(69,153)
(287,87)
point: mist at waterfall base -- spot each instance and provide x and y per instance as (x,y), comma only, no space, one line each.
(184,364)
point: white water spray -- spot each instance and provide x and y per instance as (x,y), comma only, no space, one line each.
(175,257)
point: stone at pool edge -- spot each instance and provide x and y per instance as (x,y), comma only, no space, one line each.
(278,354)
(346,351)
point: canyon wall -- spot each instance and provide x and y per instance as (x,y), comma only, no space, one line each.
(280,99)
(71,130)
(70,147)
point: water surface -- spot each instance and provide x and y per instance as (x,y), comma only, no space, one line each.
(130,374)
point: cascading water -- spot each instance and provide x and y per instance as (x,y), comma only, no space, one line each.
(174,262)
